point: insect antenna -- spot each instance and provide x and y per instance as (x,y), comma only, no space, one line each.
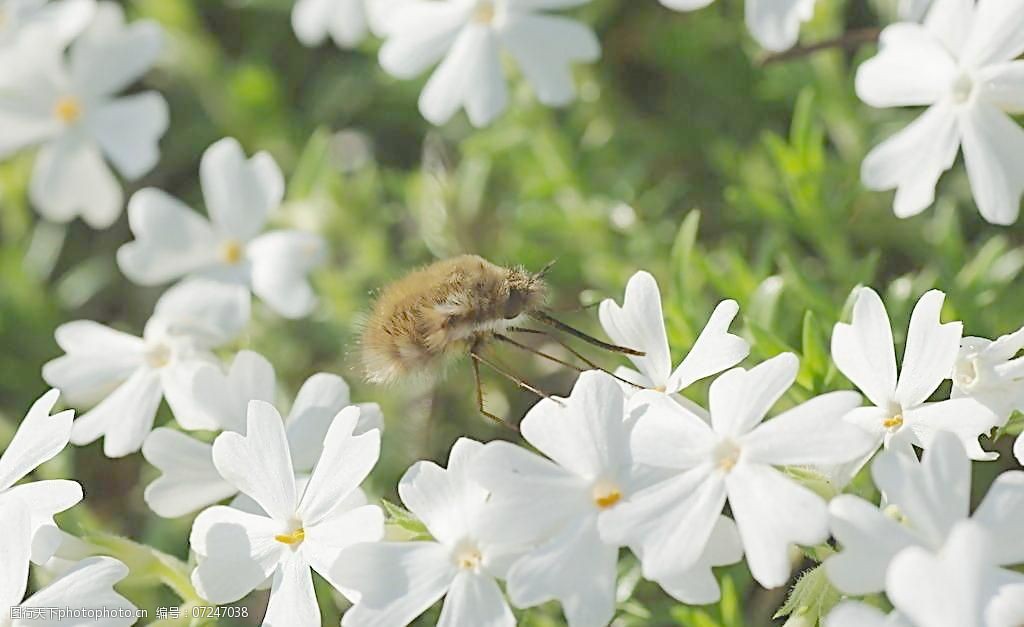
(540,316)
(564,345)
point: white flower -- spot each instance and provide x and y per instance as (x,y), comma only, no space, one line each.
(640,325)
(299,530)
(70,108)
(988,372)
(61,21)
(557,506)
(901,416)
(39,438)
(855,614)
(190,480)
(913,10)
(1018,449)
(344,20)
(923,502)
(733,459)
(87,586)
(954,586)
(398,581)
(172,241)
(127,376)
(1007,608)
(775,24)
(960,64)
(468,38)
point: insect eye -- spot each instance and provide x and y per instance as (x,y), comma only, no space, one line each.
(514,305)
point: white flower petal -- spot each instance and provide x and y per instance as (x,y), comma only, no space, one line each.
(545,5)
(222,399)
(1018,449)
(15,546)
(258,463)
(993,147)
(965,418)
(128,131)
(576,568)
(109,56)
(346,461)
(686,5)
(26,104)
(857,614)
(292,599)
(70,178)
(239,192)
(715,349)
(950,21)
(639,324)
(189,481)
(310,20)
(775,24)
(863,349)
(470,76)
(1002,85)
(1007,608)
(586,433)
(42,500)
(397,581)
(532,497)
(996,34)
(772,513)
(870,540)
(447,501)
(912,160)
(281,261)
(740,399)
(345,527)
(545,47)
(666,434)
(698,585)
(930,353)
(211,313)
(89,585)
(239,552)
(669,523)
(319,400)
(812,433)
(349,23)
(38,439)
(125,417)
(419,34)
(934,494)
(171,240)
(912,68)
(1002,515)
(98,359)
(475,600)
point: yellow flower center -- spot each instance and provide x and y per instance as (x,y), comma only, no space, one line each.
(469,558)
(484,12)
(660,388)
(231,252)
(67,109)
(727,455)
(895,422)
(293,538)
(158,356)
(606,494)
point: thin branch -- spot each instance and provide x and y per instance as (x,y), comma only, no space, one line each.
(847,41)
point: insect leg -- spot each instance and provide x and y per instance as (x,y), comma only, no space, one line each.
(572,350)
(540,316)
(508,375)
(539,353)
(480,397)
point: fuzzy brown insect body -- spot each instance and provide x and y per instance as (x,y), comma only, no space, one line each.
(444,308)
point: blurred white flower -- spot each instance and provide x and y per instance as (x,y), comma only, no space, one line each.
(190,480)
(775,24)
(901,416)
(87,586)
(1018,449)
(1007,608)
(856,614)
(398,581)
(953,586)
(733,459)
(923,502)
(61,21)
(988,372)
(468,37)
(70,108)
(639,324)
(172,240)
(39,438)
(126,376)
(345,21)
(299,529)
(959,63)
(913,10)
(555,507)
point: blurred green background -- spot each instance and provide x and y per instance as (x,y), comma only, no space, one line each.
(684,156)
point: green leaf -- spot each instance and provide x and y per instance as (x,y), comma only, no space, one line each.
(405,520)
(814,361)
(811,599)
